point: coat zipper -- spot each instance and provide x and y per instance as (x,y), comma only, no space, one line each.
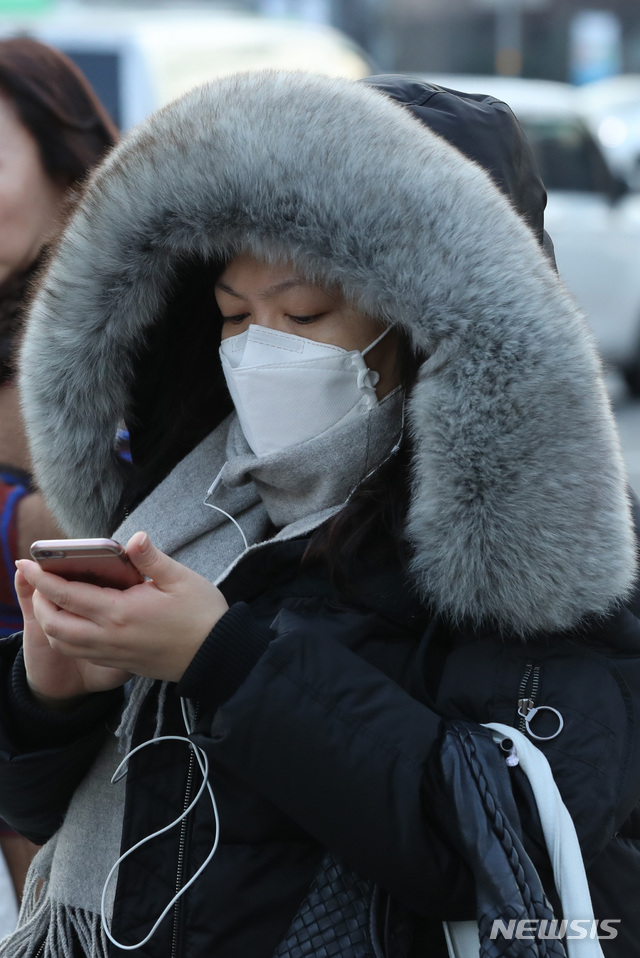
(528,709)
(182,848)
(529,686)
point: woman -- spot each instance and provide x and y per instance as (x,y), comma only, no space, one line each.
(318,318)
(52,131)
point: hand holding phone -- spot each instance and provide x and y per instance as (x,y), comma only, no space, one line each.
(154,629)
(55,679)
(101,562)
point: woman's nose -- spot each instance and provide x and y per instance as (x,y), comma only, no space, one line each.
(267,318)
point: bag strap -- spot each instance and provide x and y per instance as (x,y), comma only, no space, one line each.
(462,938)
(562,846)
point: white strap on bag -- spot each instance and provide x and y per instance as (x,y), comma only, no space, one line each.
(462,939)
(564,853)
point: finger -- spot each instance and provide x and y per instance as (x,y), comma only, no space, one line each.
(24,591)
(152,562)
(81,598)
(37,578)
(67,633)
(27,568)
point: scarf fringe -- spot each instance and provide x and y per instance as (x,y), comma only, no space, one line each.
(47,929)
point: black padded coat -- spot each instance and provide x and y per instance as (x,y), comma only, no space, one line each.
(320,716)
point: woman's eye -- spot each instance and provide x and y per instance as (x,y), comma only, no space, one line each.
(239,318)
(305,319)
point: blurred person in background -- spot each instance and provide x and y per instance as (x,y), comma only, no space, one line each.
(53,130)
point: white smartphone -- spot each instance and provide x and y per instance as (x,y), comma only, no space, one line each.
(97,561)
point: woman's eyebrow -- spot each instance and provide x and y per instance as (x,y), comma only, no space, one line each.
(283,287)
(268,293)
(226,289)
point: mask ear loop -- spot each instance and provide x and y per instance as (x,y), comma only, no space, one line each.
(364,352)
(203,763)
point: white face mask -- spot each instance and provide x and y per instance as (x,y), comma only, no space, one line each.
(287,389)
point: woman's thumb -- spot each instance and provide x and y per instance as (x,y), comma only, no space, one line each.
(149,560)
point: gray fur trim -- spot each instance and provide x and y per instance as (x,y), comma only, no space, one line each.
(519,509)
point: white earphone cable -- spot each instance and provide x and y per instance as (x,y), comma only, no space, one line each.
(218,509)
(203,764)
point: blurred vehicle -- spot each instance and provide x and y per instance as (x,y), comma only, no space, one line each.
(611,107)
(592,218)
(140,59)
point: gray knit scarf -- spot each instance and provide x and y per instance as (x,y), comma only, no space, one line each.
(295,490)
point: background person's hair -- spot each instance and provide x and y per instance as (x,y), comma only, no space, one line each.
(56,103)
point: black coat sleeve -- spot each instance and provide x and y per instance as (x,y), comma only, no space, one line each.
(343,750)
(43,755)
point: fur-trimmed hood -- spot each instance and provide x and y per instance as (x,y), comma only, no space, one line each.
(519,511)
